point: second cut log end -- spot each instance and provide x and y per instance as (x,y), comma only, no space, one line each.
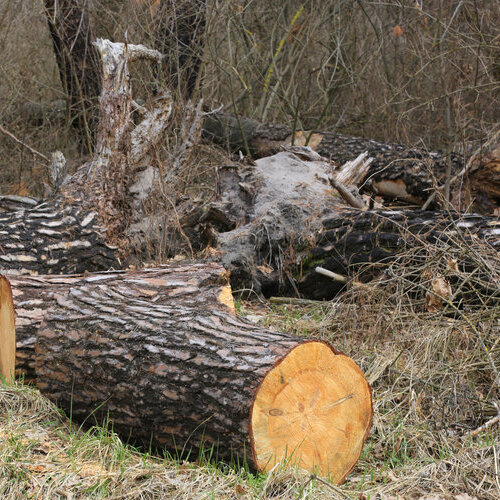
(7,332)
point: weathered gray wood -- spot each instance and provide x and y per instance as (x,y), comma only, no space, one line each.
(83,226)
(121,147)
(269,231)
(397,171)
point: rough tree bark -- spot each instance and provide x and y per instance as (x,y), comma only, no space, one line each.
(82,228)
(350,239)
(122,149)
(174,375)
(264,225)
(267,229)
(203,285)
(54,237)
(78,63)
(271,227)
(409,174)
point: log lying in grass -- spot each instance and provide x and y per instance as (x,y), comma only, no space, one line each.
(203,285)
(160,352)
(7,332)
(174,374)
(352,238)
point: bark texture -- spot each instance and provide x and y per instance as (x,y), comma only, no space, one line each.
(352,238)
(185,378)
(121,149)
(71,233)
(78,63)
(203,285)
(54,237)
(167,375)
(277,220)
(409,174)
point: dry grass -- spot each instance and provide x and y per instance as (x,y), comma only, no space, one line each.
(431,381)
(434,377)
(44,456)
(434,374)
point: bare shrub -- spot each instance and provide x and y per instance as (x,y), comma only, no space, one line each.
(412,72)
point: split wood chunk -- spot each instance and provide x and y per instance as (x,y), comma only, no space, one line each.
(7,333)
(186,374)
(314,410)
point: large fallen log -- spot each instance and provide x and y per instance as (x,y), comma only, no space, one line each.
(351,239)
(267,229)
(54,237)
(409,174)
(276,221)
(264,226)
(172,374)
(202,285)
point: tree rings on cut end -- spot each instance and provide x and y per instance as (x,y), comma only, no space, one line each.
(7,332)
(312,410)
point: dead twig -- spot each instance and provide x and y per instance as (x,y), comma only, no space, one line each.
(14,138)
(330,274)
(490,423)
(348,196)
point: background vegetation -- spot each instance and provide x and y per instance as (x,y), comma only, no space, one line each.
(418,72)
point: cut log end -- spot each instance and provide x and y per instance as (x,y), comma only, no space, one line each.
(7,333)
(312,410)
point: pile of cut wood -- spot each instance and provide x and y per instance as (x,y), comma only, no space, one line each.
(160,351)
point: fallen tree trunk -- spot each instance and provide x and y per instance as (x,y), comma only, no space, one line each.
(364,243)
(264,226)
(409,174)
(177,374)
(344,244)
(277,220)
(54,237)
(203,285)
